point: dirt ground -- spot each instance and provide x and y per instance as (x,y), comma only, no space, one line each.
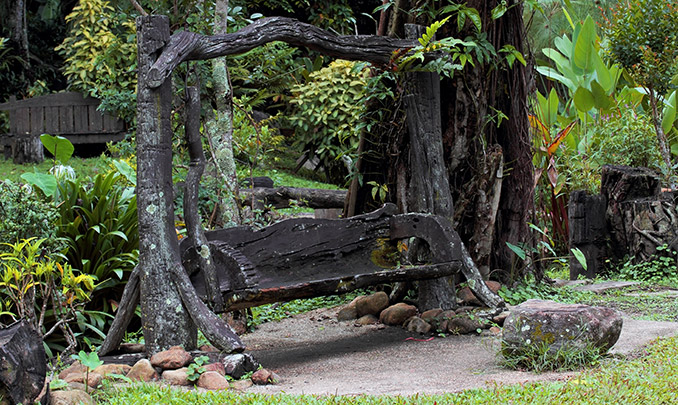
(315,354)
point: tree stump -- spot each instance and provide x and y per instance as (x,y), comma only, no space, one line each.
(639,218)
(23,364)
(27,149)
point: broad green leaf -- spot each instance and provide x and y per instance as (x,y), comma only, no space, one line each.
(60,147)
(583,99)
(669,113)
(552,107)
(581,258)
(603,74)
(45,182)
(564,45)
(551,73)
(126,170)
(517,250)
(600,98)
(499,11)
(584,48)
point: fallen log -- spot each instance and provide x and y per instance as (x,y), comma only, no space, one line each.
(284,197)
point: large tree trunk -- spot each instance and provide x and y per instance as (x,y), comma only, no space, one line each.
(165,321)
(429,187)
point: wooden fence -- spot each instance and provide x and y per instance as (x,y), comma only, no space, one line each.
(67,114)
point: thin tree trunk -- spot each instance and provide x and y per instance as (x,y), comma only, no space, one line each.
(220,127)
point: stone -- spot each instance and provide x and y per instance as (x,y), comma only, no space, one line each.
(211,380)
(264,376)
(368,319)
(142,370)
(561,326)
(371,304)
(75,368)
(499,319)
(463,324)
(177,377)
(431,314)
(70,397)
(418,325)
(132,347)
(241,385)
(237,320)
(467,296)
(347,313)
(397,314)
(106,369)
(441,320)
(23,363)
(218,367)
(237,365)
(171,359)
(92,379)
(208,349)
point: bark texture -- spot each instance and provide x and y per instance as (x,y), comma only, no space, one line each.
(165,320)
(186,45)
(429,187)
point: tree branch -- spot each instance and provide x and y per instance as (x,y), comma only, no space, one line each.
(186,45)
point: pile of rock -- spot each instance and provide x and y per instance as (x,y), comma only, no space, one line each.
(468,318)
(170,367)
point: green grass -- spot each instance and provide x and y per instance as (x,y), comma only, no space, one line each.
(279,311)
(651,379)
(83,168)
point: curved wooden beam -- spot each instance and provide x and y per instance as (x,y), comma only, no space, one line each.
(185,45)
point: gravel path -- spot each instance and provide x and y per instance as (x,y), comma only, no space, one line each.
(315,354)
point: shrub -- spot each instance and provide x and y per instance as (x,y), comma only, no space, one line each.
(24,215)
(46,293)
(326,111)
(660,268)
(626,140)
(100,56)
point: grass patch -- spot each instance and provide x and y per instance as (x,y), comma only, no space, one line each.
(652,379)
(278,311)
(83,167)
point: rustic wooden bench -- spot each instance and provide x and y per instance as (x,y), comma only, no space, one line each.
(67,114)
(303,257)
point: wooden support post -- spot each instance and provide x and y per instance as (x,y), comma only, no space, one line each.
(429,190)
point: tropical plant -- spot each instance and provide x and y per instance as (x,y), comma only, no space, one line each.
(325,111)
(99,225)
(46,293)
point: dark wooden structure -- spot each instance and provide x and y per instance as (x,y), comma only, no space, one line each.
(630,218)
(67,114)
(302,257)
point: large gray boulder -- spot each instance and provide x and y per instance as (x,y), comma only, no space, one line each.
(560,326)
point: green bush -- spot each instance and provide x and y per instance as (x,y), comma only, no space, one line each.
(100,56)
(99,224)
(327,109)
(24,215)
(47,294)
(626,140)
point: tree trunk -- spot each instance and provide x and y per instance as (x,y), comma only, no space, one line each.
(220,128)
(27,149)
(165,320)
(429,187)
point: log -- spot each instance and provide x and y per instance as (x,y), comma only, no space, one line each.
(23,364)
(185,45)
(282,197)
